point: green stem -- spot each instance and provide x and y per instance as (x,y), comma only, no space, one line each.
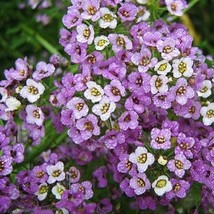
(40,39)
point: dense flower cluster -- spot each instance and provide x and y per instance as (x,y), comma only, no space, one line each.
(137,109)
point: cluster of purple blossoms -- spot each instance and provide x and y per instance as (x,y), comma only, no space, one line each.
(137,109)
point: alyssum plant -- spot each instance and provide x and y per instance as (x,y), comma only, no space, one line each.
(125,124)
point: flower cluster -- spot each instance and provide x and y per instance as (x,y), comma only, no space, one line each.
(136,109)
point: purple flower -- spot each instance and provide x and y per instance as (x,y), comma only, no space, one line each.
(43,70)
(151,38)
(140,183)
(72,18)
(34,115)
(5,203)
(125,187)
(22,70)
(16,152)
(74,174)
(5,165)
(182,91)
(146,202)
(128,120)
(163,100)
(88,126)
(144,60)
(85,187)
(184,145)
(112,138)
(124,165)
(139,81)
(39,173)
(119,42)
(179,165)
(75,135)
(127,12)
(67,37)
(115,90)
(104,206)
(137,102)
(179,189)
(160,138)
(100,175)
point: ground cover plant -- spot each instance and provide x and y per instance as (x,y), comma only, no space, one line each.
(118,119)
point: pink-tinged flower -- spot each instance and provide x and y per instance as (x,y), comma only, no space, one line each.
(182,91)
(175,7)
(88,126)
(91,10)
(159,84)
(72,18)
(182,67)
(94,92)
(128,120)
(179,189)
(34,115)
(107,19)
(120,42)
(167,48)
(74,174)
(104,108)
(140,183)
(85,33)
(85,188)
(162,185)
(56,172)
(144,60)
(161,138)
(39,173)
(112,138)
(16,152)
(21,72)
(67,37)
(42,191)
(78,107)
(5,165)
(207,113)
(179,165)
(32,91)
(75,135)
(184,145)
(43,70)
(150,38)
(127,12)
(142,158)
(115,90)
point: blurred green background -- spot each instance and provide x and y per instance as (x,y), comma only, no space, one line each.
(21,35)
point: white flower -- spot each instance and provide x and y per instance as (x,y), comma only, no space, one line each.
(159,84)
(162,185)
(62,211)
(58,190)
(208,114)
(85,33)
(143,14)
(42,191)
(206,89)
(32,90)
(142,1)
(163,67)
(56,172)
(3,94)
(12,104)
(108,19)
(34,115)
(162,160)
(142,158)
(101,42)
(182,67)
(104,108)
(94,92)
